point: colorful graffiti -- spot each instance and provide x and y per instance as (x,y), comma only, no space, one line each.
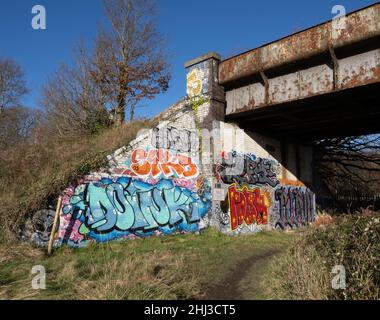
(109,210)
(248,205)
(247,169)
(38,227)
(296,206)
(224,218)
(174,139)
(194,83)
(256,196)
(43,224)
(163,163)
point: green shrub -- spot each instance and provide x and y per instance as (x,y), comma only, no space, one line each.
(304,272)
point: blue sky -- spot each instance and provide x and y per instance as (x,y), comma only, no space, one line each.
(191,28)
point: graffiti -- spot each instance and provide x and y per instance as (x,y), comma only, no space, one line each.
(43,222)
(109,210)
(244,169)
(194,83)
(224,219)
(295,206)
(249,206)
(160,162)
(37,229)
(173,139)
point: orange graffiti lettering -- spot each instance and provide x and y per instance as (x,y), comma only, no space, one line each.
(160,161)
(249,206)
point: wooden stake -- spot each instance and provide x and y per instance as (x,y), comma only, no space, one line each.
(57,211)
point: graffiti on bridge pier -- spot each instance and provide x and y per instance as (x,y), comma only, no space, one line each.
(109,210)
(174,139)
(296,206)
(160,162)
(248,205)
(247,169)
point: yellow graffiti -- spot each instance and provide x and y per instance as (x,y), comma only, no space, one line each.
(194,83)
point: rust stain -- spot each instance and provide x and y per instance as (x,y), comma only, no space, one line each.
(376,73)
(294,183)
(251,103)
(363,77)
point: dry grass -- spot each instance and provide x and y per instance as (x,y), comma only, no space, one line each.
(170,267)
(148,275)
(19,250)
(323,220)
(33,174)
(304,272)
(298,274)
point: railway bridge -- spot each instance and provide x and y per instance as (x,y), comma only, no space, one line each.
(236,152)
(319,83)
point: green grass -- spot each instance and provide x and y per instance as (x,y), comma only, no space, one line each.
(170,267)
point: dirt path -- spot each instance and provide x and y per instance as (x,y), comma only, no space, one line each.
(245,272)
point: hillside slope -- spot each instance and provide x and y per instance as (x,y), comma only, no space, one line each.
(33,175)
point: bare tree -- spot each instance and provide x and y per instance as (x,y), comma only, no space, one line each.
(73,101)
(12,84)
(15,120)
(129,64)
(16,124)
(350,163)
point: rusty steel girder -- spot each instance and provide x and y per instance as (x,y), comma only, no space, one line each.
(358,26)
(331,73)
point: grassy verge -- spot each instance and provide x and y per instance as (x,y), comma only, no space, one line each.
(172,267)
(305,270)
(32,175)
(268,265)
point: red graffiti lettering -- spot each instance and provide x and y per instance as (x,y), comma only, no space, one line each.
(249,206)
(160,161)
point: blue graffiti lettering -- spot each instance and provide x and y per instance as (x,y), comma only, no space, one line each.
(109,210)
